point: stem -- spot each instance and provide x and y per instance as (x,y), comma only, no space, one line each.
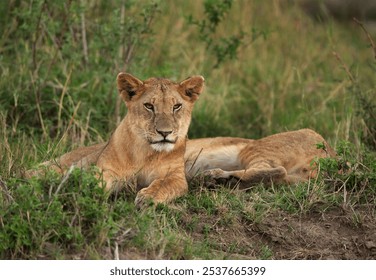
(373,45)
(34,43)
(84,40)
(344,66)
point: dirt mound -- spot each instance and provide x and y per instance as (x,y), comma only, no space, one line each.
(334,234)
(331,234)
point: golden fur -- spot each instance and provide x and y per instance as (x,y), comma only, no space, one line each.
(148,146)
(281,158)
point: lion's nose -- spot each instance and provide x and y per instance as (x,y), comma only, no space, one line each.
(164,133)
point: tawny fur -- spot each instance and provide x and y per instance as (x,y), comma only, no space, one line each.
(281,158)
(149,144)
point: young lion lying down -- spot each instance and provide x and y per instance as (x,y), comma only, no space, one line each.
(149,144)
(281,158)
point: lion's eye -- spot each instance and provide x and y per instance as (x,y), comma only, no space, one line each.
(149,106)
(177,107)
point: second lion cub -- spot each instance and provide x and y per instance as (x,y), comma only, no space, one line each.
(279,158)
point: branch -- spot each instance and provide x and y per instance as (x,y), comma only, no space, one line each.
(344,66)
(84,40)
(373,45)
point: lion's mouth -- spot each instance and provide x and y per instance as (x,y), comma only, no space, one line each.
(164,145)
(163,142)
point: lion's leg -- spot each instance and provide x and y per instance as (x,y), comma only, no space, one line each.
(42,168)
(109,179)
(163,190)
(257,173)
(302,173)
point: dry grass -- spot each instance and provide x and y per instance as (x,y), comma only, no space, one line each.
(58,68)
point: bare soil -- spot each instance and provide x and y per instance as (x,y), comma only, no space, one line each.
(331,234)
(334,234)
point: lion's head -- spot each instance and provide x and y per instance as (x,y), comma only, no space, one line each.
(159,108)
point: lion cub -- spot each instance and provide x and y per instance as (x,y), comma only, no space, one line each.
(149,144)
(281,158)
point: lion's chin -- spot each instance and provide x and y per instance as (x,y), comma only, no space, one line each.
(163,146)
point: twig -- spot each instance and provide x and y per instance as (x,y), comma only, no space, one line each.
(121,56)
(66,177)
(122,20)
(34,43)
(65,88)
(373,45)
(84,40)
(116,251)
(85,130)
(194,162)
(128,55)
(37,101)
(344,66)
(69,125)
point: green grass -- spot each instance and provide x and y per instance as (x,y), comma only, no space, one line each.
(58,64)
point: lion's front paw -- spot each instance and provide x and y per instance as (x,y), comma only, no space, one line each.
(144,198)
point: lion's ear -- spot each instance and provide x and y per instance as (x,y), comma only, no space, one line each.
(127,85)
(193,86)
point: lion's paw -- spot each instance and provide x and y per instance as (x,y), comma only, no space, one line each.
(143,199)
(216,173)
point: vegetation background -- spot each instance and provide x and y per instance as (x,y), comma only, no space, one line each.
(269,67)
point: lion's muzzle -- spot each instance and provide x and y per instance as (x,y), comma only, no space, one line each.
(165,141)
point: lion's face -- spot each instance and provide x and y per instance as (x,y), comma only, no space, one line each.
(160,109)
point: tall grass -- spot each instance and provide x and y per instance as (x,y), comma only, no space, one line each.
(58,63)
